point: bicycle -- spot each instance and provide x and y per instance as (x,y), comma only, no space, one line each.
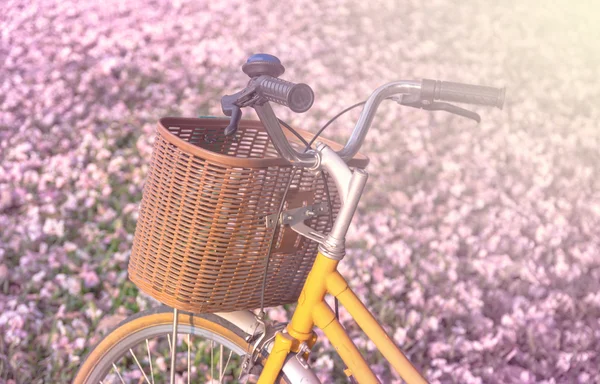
(241,190)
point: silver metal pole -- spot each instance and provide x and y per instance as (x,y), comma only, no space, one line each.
(174,344)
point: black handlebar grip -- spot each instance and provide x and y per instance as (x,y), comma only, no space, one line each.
(462,93)
(298,97)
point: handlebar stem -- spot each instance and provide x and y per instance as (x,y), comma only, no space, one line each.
(350,185)
(331,162)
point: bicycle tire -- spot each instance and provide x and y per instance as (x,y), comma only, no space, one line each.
(158,322)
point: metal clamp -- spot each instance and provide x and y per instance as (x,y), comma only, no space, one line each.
(256,345)
(301,351)
(295,218)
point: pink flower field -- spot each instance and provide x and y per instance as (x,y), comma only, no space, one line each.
(476,245)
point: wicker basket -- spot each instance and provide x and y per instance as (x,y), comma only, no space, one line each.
(201,243)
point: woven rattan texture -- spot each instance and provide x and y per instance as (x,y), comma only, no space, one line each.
(201,242)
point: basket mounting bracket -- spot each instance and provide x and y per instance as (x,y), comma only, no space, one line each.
(295,218)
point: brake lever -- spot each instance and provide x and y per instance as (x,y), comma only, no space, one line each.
(232,106)
(415,102)
(236,116)
(441,106)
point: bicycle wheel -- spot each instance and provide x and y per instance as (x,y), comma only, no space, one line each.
(209,349)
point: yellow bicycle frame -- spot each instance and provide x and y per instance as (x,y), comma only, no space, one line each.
(313,310)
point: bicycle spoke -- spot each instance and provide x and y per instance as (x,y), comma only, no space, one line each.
(118,374)
(224,369)
(150,360)
(211,361)
(221,363)
(189,359)
(139,365)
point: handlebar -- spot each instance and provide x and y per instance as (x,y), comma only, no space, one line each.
(264,86)
(285,94)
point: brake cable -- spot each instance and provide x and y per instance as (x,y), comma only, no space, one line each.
(325,185)
(407,101)
(331,121)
